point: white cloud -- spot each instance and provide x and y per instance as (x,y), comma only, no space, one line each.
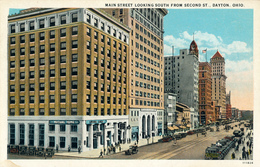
(238,66)
(207,40)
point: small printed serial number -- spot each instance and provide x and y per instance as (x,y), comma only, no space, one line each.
(247,162)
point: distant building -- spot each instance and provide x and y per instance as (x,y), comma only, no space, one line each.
(170,114)
(228,106)
(219,82)
(182,78)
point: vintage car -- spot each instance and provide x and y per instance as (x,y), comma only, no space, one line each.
(31,150)
(23,150)
(40,151)
(49,152)
(14,149)
(133,149)
(190,132)
(166,139)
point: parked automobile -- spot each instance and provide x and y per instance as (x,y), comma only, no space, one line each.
(190,132)
(133,149)
(183,134)
(166,139)
(211,130)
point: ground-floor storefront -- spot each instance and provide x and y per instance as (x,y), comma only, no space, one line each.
(64,133)
(145,123)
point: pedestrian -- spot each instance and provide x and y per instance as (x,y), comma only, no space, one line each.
(69,148)
(104,151)
(119,148)
(57,148)
(45,155)
(233,156)
(247,155)
(79,149)
(101,154)
(114,149)
(109,149)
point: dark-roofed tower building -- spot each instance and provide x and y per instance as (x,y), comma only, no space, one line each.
(219,82)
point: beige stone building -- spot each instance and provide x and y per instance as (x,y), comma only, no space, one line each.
(219,82)
(68,78)
(146,66)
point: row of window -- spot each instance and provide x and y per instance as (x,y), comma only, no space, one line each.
(102,100)
(102,75)
(74,99)
(108,111)
(63,85)
(42,23)
(145,94)
(74,45)
(74,58)
(145,85)
(74,71)
(102,87)
(63,31)
(146,103)
(42,111)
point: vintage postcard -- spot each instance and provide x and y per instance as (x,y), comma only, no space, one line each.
(167,83)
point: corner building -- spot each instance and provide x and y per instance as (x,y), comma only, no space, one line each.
(68,83)
(146,66)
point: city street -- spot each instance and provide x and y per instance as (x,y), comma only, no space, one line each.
(191,147)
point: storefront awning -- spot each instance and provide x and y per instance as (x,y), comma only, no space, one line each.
(209,121)
(183,127)
(188,126)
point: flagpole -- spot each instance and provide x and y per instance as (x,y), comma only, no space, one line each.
(206,55)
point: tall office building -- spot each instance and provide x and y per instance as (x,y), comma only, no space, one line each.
(219,82)
(68,83)
(182,78)
(146,66)
(206,107)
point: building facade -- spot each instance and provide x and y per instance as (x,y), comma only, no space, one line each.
(170,113)
(146,65)
(68,83)
(228,106)
(219,82)
(206,108)
(182,78)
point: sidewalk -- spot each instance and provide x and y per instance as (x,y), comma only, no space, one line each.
(96,152)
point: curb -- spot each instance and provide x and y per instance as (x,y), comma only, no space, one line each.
(104,155)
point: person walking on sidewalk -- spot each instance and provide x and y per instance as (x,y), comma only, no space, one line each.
(233,156)
(101,154)
(69,148)
(119,148)
(57,148)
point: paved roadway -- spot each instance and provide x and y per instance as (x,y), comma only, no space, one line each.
(191,147)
